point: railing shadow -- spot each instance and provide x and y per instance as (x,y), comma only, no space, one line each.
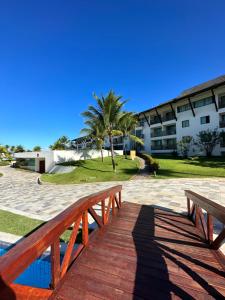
(154,281)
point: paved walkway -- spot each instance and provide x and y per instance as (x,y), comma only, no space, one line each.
(19,192)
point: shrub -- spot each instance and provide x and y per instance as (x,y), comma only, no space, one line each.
(151,162)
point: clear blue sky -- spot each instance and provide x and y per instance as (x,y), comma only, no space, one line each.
(55,54)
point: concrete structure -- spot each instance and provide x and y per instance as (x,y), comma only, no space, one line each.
(199,108)
(45,161)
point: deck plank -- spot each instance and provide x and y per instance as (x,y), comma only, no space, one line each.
(145,253)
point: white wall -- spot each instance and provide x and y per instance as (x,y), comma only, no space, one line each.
(59,156)
(67,155)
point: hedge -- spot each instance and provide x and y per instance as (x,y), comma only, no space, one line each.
(151,162)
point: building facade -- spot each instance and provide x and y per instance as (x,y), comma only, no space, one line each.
(197,109)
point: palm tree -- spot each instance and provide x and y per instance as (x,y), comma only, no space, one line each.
(127,126)
(61,144)
(108,113)
(97,133)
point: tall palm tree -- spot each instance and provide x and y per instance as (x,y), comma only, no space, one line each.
(127,126)
(97,133)
(108,113)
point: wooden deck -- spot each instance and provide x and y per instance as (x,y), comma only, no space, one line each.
(145,253)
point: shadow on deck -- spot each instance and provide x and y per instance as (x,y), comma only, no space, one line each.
(145,253)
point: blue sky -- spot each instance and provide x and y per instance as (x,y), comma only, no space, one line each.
(55,54)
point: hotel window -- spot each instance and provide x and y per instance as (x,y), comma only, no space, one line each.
(222,101)
(185,123)
(203,102)
(183,107)
(205,120)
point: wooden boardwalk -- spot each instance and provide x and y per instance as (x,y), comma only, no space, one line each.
(137,252)
(145,253)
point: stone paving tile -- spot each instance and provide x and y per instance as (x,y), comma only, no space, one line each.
(19,192)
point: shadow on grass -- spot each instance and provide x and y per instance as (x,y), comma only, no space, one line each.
(83,164)
(210,163)
(175,174)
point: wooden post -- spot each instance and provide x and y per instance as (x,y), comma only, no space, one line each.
(188,207)
(103,211)
(113,205)
(120,201)
(55,263)
(85,228)
(210,228)
(197,216)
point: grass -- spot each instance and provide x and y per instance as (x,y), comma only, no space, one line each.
(172,167)
(4,163)
(93,170)
(24,226)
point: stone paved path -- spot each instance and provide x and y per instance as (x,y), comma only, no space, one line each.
(143,172)
(19,192)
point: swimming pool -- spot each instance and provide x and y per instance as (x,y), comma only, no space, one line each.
(38,274)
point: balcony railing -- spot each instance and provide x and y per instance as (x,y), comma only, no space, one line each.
(221,104)
(140,136)
(163,133)
(222,124)
(155,121)
(156,134)
(168,118)
(164,147)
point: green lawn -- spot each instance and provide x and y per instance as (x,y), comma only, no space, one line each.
(23,226)
(93,170)
(4,163)
(171,167)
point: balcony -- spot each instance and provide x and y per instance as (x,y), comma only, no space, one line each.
(155,120)
(163,133)
(169,132)
(157,147)
(140,136)
(156,134)
(170,147)
(164,147)
(221,103)
(168,118)
(222,124)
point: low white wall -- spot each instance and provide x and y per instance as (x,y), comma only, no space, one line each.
(59,156)
(67,155)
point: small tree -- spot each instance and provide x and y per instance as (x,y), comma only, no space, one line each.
(184,146)
(19,148)
(3,151)
(61,144)
(37,148)
(208,139)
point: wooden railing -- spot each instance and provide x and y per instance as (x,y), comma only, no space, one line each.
(213,211)
(16,260)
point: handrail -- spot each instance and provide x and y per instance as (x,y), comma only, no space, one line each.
(17,259)
(213,210)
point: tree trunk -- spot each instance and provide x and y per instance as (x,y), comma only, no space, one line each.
(112,153)
(124,148)
(102,155)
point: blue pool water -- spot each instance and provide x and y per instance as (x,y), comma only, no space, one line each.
(38,274)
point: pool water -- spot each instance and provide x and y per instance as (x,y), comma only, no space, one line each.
(38,274)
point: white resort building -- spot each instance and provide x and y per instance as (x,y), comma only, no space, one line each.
(196,109)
